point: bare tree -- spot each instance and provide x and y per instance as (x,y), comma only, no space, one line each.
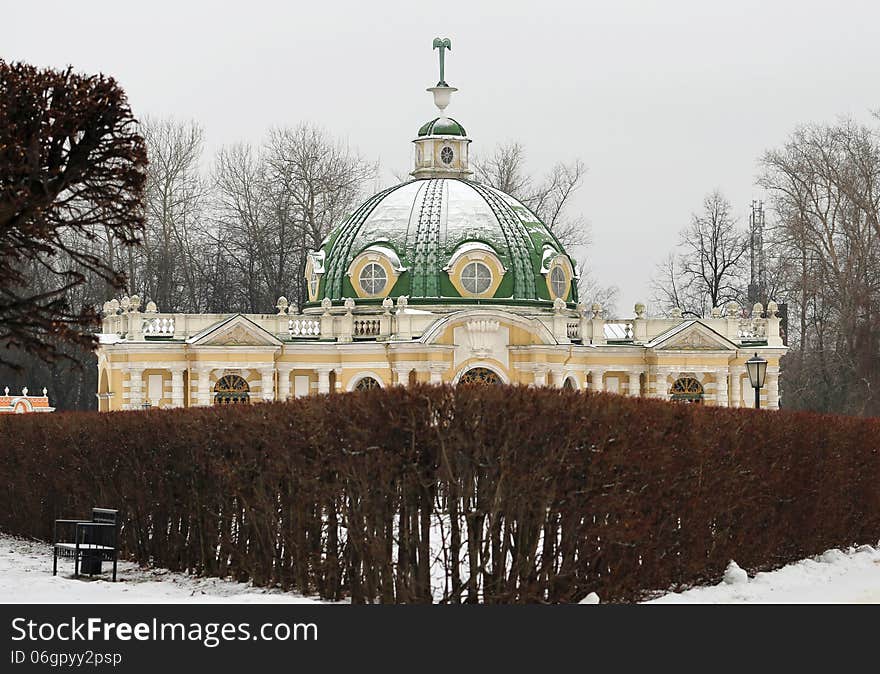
(824,184)
(166,268)
(708,270)
(320,181)
(548,197)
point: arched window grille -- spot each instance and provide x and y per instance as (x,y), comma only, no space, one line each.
(687,389)
(480,375)
(231,389)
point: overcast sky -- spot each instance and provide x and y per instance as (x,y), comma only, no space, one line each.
(663,101)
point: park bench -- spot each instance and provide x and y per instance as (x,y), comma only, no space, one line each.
(88,542)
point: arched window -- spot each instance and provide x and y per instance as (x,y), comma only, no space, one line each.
(231,390)
(687,389)
(570,384)
(413,378)
(480,375)
(366,383)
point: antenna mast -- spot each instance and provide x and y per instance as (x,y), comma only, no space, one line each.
(758,276)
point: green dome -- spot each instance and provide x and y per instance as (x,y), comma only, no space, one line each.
(423,226)
(442,126)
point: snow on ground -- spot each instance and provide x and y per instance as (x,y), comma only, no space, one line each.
(834,577)
(851,576)
(26,577)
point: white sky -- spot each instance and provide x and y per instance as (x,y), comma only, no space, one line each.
(664,101)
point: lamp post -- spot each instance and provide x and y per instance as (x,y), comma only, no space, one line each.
(757,369)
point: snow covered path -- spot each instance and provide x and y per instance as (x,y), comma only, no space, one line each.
(836,577)
(26,577)
(851,576)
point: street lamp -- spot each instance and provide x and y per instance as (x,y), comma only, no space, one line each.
(757,369)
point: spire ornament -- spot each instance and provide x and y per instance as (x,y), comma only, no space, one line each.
(442,92)
(442,43)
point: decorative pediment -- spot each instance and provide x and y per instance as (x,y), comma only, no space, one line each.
(694,337)
(235,331)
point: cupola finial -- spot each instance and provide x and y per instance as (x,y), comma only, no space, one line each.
(442,43)
(442,92)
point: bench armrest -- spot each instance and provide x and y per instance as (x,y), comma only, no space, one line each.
(83,526)
(57,522)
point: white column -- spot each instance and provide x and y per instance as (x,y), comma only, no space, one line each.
(177,387)
(204,387)
(540,376)
(558,377)
(598,379)
(401,376)
(736,372)
(635,383)
(284,382)
(437,370)
(654,380)
(323,379)
(135,387)
(772,386)
(721,388)
(267,387)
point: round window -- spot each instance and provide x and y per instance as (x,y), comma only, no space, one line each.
(476,278)
(446,155)
(373,278)
(558,281)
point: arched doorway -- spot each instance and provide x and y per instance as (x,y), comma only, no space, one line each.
(570,384)
(366,383)
(480,375)
(231,390)
(687,389)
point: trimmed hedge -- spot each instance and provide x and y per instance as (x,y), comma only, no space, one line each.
(489,494)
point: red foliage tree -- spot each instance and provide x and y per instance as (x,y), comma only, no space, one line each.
(72,167)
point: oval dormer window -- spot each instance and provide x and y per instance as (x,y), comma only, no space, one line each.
(446,155)
(558,282)
(476,278)
(373,278)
